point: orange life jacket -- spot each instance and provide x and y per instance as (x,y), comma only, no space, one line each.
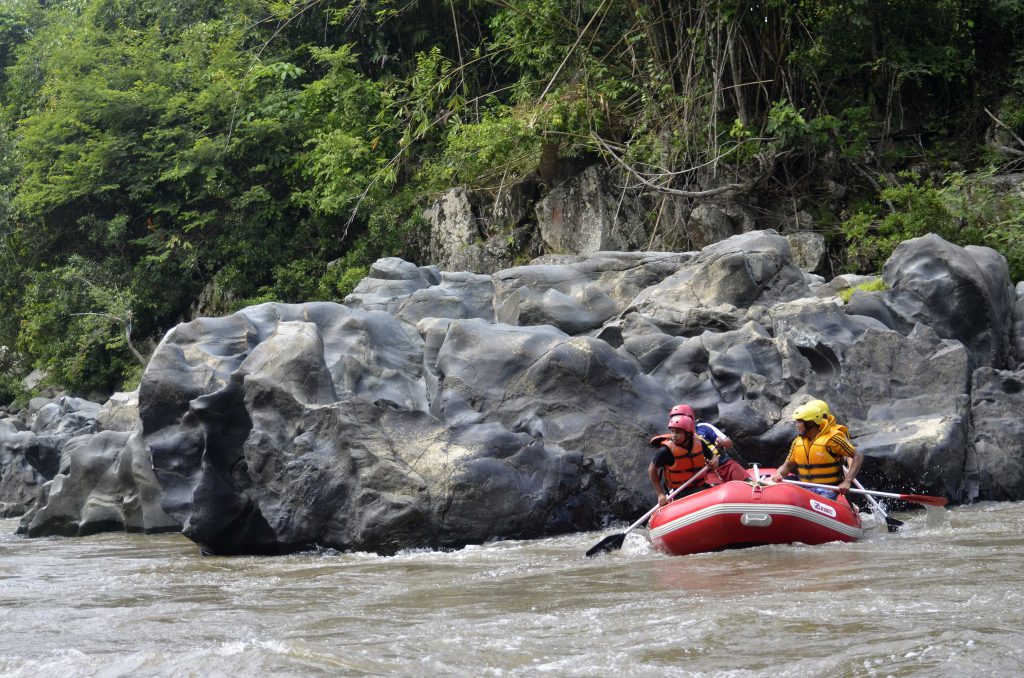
(816,462)
(687,461)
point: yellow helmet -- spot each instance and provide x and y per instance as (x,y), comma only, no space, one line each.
(813,410)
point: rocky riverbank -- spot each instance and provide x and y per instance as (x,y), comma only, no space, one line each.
(440,409)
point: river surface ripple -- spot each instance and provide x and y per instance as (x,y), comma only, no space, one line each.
(941,598)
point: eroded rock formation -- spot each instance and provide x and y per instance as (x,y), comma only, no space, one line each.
(440,409)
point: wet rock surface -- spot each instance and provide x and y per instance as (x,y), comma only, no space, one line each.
(438,409)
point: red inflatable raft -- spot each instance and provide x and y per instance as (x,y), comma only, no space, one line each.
(738,514)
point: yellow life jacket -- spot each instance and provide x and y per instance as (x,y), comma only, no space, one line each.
(815,461)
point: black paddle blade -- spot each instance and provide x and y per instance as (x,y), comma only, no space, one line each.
(610,543)
(893,524)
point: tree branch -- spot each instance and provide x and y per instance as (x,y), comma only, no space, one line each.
(127,332)
(877,187)
(708,193)
(571,50)
(1007,128)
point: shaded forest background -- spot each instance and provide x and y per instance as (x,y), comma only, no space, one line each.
(155,153)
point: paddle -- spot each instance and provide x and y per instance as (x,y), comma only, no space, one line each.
(877,507)
(915,498)
(614,542)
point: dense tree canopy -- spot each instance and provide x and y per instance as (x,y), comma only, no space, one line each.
(153,153)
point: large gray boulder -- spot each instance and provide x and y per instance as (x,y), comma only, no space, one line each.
(454,227)
(285,451)
(20,475)
(457,296)
(915,445)
(750,270)
(711,222)
(576,392)
(1018,325)
(580,296)
(353,474)
(586,214)
(198,364)
(808,248)
(997,404)
(821,329)
(962,293)
(904,398)
(105,482)
(717,368)
(885,366)
(389,283)
(65,417)
(476,232)
(119,413)
(30,452)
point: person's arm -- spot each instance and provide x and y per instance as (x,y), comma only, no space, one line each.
(855,463)
(713,434)
(652,473)
(840,446)
(662,458)
(710,452)
(711,439)
(783,471)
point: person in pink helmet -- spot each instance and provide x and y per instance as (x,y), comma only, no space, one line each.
(679,457)
(717,444)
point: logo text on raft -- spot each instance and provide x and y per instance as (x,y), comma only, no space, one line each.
(823,508)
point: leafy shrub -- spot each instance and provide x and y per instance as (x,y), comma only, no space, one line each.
(482,153)
(10,383)
(877,285)
(339,282)
(964,210)
(74,327)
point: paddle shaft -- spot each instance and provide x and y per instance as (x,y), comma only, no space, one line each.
(891,523)
(871,500)
(916,498)
(614,542)
(644,517)
(875,504)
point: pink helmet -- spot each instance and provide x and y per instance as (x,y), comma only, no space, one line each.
(683,409)
(682,421)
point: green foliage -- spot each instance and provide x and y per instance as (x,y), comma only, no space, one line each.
(1012,112)
(8,175)
(339,282)
(562,88)
(900,42)
(963,210)
(74,321)
(295,281)
(919,208)
(157,148)
(534,36)
(482,153)
(877,285)
(11,389)
(785,123)
(18,21)
(130,165)
(345,158)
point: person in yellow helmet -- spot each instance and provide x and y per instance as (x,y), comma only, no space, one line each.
(819,449)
